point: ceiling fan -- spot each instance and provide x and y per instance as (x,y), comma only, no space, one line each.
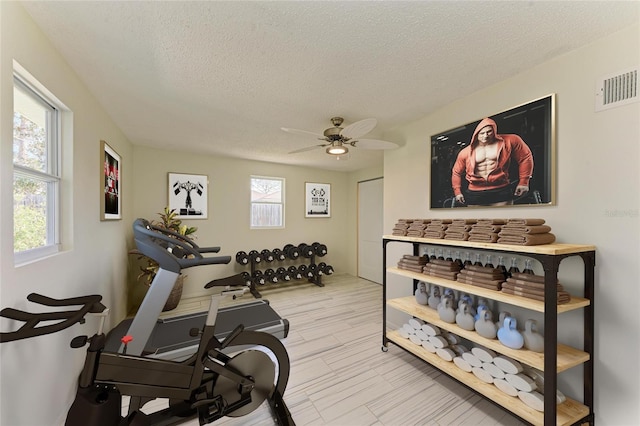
(339,139)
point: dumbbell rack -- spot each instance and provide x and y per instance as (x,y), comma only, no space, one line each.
(289,253)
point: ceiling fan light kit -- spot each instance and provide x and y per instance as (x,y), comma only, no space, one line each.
(337,148)
(338,138)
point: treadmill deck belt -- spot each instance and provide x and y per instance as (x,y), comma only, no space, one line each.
(171,339)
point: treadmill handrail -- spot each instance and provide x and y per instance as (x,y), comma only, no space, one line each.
(147,236)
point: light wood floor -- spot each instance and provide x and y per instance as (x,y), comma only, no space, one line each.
(339,374)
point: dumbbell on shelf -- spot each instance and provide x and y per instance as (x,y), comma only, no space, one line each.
(247,278)
(319,249)
(326,269)
(271,276)
(279,255)
(294,273)
(283,274)
(292,251)
(255,256)
(305,271)
(242,258)
(267,255)
(317,272)
(258,277)
(305,250)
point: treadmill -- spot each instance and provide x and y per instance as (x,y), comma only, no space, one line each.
(177,338)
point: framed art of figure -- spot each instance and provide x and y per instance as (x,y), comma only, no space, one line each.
(317,199)
(504,159)
(111,183)
(188,195)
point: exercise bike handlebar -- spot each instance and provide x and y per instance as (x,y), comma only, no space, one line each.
(171,250)
(66,318)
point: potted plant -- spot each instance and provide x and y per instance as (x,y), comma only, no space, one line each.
(149,267)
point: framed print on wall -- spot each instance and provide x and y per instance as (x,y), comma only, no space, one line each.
(111,183)
(188,195)
(504,159)
(317,199)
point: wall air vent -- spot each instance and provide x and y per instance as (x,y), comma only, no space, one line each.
(617,89)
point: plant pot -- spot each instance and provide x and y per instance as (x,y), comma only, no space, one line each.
(175,295)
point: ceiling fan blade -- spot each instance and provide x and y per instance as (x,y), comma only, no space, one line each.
(309,148)
(373,144)
(359,128)
(303,133)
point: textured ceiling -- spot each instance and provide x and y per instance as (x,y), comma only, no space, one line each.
(224,77)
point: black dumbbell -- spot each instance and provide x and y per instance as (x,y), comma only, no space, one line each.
(242,258)
(292,251)
(305,250)
(319,249)
(270,276)
(302,271)
(267,255)
(283,274)
(305,271)
(255,256)
(247,278)
(326,269)
(279,255)
(317,272)
(258,277)
(293,271)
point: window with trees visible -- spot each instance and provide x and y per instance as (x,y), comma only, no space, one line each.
(36,172)
(267,202)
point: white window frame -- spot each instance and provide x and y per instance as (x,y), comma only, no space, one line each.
(282,201)
(52,176)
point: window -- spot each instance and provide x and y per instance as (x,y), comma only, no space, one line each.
(36,173)
(267,202)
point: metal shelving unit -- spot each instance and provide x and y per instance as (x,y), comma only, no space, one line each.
(556,357)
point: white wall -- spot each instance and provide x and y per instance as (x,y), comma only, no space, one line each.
(94,258)
(597,175)
(597,201)
(38,375)
(229,207)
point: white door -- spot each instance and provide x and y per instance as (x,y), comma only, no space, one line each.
(370,229)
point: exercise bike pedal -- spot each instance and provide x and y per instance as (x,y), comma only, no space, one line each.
(209,410)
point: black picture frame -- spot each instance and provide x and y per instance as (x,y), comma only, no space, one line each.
(533,121)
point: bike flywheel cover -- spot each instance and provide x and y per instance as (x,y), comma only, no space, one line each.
(251,363)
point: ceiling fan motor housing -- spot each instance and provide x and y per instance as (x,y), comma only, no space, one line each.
(333,133)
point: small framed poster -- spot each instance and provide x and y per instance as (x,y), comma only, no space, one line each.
(317,199)
(188,195)
(111,183)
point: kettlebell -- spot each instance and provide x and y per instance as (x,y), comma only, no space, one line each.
(434,299)
(532,339)
(485,326)
(445,310)
(509,335)
(464,319)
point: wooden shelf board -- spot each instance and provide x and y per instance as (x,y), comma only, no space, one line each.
(525,302)
(567,358)
(568,412)
(550,249)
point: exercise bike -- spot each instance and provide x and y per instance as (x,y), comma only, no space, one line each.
(209,385)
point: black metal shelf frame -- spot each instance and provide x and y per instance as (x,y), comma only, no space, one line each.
(550,264)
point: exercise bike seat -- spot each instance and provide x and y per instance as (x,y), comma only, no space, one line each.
(232,281)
